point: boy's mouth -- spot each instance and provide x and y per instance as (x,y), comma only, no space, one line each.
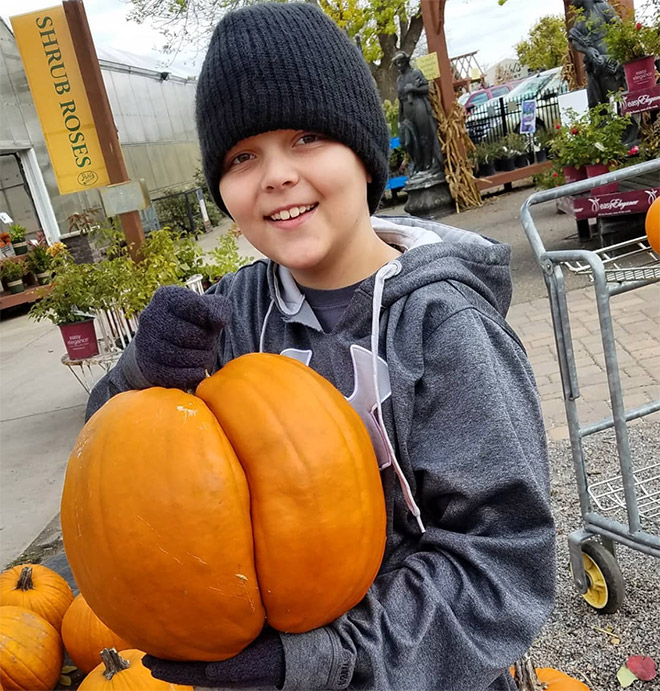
(291,212)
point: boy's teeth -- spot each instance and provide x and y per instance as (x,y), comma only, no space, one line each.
(286,214)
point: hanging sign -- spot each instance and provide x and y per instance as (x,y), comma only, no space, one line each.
(60,99)
(428,66)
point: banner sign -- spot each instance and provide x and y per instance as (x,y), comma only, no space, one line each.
(428,65)
(641,101)
(616,204)
(528,119)
(60,99)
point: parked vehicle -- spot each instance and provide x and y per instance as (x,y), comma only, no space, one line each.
(471,99)
(499,116)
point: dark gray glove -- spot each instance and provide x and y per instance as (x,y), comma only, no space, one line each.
(260,664)
(177,338)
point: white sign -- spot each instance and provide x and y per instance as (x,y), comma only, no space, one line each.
(5,218)
(575,101)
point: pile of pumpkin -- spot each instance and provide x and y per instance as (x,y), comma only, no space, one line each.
(39,617)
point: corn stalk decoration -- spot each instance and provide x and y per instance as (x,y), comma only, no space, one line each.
(457,148)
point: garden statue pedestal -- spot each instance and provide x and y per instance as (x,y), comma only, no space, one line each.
(428,195)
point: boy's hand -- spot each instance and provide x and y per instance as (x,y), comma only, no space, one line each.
(177,337)
(260,664)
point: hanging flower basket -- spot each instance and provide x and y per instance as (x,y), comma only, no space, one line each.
(640,74)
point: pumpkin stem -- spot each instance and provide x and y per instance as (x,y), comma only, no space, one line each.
(25,579)
(114,662)
(525,675)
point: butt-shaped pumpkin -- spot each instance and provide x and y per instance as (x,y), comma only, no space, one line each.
(190,520)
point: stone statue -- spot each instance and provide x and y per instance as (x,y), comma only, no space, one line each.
(417,126)
(604,74)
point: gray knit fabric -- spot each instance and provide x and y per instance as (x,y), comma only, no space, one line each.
(288,66)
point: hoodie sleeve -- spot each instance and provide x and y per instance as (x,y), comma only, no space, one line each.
(472,596)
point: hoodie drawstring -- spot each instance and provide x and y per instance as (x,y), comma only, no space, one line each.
(390,269)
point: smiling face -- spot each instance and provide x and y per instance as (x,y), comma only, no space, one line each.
(301,199)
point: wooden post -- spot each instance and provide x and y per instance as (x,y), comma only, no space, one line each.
(100,105)
(433,15)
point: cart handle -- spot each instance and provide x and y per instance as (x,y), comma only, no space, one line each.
(571,189)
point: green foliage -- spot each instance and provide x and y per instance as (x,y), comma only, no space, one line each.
(391,111)
(17,232)
(487,151)
(628,39)
(595,137)
(38,260)
(13,270)
(85,221)
(515,144)
(546,46)
(224,259)
(549,178)
(167,258)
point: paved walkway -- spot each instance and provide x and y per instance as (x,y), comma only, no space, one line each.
(636,317)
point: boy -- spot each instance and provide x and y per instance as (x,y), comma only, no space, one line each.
(405,317)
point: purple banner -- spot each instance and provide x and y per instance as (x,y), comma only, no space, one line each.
(617,204)
(641,101)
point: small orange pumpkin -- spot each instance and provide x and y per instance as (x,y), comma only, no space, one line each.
(38,588)
(125,672)
(30,650)
(258,497)
(84,635)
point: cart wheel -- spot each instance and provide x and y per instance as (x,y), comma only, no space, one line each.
(606,588)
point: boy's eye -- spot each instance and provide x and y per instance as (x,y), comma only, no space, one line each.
(239,158)
(309,138)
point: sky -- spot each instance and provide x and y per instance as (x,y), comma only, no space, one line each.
(481,25)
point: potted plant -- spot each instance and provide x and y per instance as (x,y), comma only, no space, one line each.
(504,158)
(39,262)
(517,146)
(485,159)
(13,272)
(635,45)
(591,145)
(67,303)
(17,235)
(543,138)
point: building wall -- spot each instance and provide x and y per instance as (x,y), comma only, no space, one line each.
(154,118)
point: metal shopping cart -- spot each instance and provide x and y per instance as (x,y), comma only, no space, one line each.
(625,508)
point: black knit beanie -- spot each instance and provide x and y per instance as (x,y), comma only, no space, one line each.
(278,66)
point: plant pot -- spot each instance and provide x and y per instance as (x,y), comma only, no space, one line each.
(20,247)
(640,74)
(80,339)
(600,169)
(43,277)
(521,161)
(486,169)
(506,164)
(572,174)
(15,286)
(541,156)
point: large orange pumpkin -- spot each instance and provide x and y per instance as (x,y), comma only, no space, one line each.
(652,225)
(187,520)
(37,588)
(124,672)
(84,635)
(30,650)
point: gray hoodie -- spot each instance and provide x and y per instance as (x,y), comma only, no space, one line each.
(424,354)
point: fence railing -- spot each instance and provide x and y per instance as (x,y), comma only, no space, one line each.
(501,117)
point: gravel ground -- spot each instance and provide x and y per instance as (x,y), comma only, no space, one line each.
(569,641)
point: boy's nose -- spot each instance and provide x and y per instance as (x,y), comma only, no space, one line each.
(278,172)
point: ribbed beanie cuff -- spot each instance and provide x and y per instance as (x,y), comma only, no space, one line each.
(278,66)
